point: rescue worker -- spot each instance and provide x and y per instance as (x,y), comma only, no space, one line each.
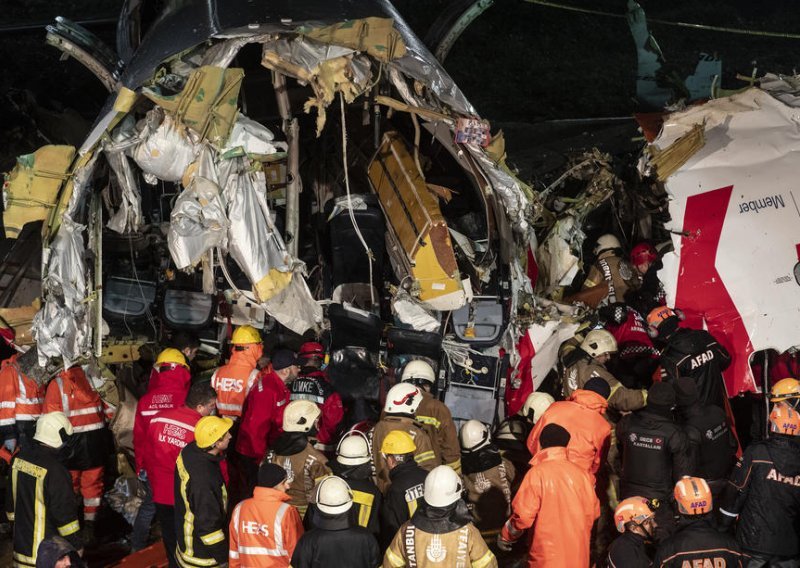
(611,269)
(511,436)
(169,432)
(354,464)
(440,533)
(167,389)
(263,413)
(765,494)
(712,445)
(39,498)
(557,499)
(402,402)
(407,483)
(786,391)
(690,353)
(312,384)
(697,541)
(335,541)
(234,381)
(638,358)
(71,393)
(55,552)
(187,343)
(650,293)
(589,361)
(488,479)
(582,415)
(655,452)
(20,406)
(305,465)
(265,528)
(434,416)
(635,519)
(200,496)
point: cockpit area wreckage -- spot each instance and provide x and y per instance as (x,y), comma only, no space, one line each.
(316,171)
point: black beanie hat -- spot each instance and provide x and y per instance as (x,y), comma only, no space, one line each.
(270,474)
(661,395)
(599,386)
(685,391)
(553,435)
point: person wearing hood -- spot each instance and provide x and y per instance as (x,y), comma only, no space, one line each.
(611,270)
(764,494)
(335,541)
(635,519)
(697,542)
(512,434)
(354,464)
(39,497)
(55,552)
(265,528)
(234,381)
(440,532)
(655,452)
(488,479)
(557,499)
(305,465)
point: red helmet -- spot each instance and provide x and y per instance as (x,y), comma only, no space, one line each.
(643,252)
(311,349)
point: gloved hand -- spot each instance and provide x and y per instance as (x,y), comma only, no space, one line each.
(10,444)
(503,544)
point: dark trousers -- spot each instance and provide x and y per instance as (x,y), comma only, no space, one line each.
(166,518)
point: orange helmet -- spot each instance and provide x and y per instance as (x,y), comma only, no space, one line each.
(785,389)
(693,496)
(636,509)
(784,420)
(659,314)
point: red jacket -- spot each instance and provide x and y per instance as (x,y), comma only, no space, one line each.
(169,432)
(262,420)
(632,338)
(167,389)
(582,417)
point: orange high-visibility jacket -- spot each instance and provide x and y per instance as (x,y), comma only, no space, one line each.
(20,397)
(71,393)
(234,381)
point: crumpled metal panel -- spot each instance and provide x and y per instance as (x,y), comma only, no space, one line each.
(294,306)
(304,52)
(128,218)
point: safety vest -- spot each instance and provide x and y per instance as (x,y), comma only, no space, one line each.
(20,397)
(71,393)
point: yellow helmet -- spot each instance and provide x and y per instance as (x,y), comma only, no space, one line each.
(171,356)
(397,443)
(785,389)
(211,429)
(245,335)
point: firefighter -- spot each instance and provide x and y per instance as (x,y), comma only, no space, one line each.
(589,361)
(167,435)
(305,465)
(39,498)
(765,493)
(610,268)
(234,381)
(71,393)
(635,518)
(407,483)
(312,384)
(167,389)
(265,528)
(556,498)
(434,416)
(263,413)
(401,405)
(786,391)
(712,445)
(354,464)
(690,353)
(200,496)
(440,533)
(334,540)
(512,434)
(697,541)
(20,406)
(488,479)
(655,452)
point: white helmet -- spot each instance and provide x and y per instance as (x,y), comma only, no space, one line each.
(353,449)
(442,487)
(403,398)
(606,242)
(300,416)
(334,495)
(418,371)
(535,405)
(474,435)
(49,427)
(598,342)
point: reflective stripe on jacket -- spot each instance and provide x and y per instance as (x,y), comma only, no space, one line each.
(21,398)
(423,455)
(415,548)
(234,381)
(437,421)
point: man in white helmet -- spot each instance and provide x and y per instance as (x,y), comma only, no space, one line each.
(402,402)
(434,415)
(611,270)
(39,497)
(440,533)
(511,435)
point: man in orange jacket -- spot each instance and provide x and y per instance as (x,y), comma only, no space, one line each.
(234,380)
(557,499)
(264,529)
(20,405)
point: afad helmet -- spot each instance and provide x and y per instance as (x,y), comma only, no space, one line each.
(535,405)
(693,496)
(658,315)
(633,509)
(599,342)
(643,253)
(474,435)
(403,398)
(785,389)
(171,356)
(784,419)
